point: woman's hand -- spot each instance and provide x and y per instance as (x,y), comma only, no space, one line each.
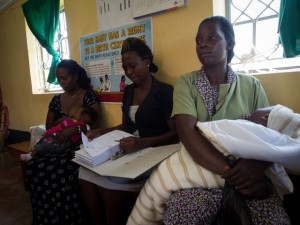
(92,134)
(247,176)
(64,135)
(131,144)
(259,190)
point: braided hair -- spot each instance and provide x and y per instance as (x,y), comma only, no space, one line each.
(137,45)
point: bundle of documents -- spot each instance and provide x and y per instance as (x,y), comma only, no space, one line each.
(134,164)
(101,148)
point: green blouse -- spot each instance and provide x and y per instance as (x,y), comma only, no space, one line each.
(241,97)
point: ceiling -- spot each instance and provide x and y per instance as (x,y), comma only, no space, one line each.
(4,4)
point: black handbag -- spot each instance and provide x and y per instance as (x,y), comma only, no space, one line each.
(233,210)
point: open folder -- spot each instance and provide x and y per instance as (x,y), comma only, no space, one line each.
(131,165)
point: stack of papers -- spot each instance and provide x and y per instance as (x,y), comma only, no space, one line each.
(133,165)
(101,148)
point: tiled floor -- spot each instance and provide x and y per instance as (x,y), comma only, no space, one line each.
(15,208)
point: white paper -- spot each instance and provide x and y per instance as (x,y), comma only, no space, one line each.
(104,142)
(134,164)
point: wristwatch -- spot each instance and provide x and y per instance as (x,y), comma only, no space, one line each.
(231,160)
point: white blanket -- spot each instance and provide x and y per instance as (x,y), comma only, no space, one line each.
(240,138)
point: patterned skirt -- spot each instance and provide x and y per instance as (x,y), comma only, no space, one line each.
(54,189)
(200,206)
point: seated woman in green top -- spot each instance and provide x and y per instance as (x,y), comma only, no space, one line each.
(255,133)
(212,93)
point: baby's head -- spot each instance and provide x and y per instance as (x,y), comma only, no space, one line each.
(89,115)
(260,116)
(278,118)
(86,114)
(284,120)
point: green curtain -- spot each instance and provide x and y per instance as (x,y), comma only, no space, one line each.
(42,17)
(289,27)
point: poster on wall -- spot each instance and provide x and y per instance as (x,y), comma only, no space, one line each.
(143,8)
(114,13)
(101,54)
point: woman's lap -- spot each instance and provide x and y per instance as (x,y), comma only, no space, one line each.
(190,206)
(54,190)
(268,211)
(110,182)
(199,206)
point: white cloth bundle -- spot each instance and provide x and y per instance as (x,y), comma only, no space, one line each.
(238,137)
(285,121)
(36,133)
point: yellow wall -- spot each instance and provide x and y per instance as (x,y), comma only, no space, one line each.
(282,89)
(24,108)
(174,50)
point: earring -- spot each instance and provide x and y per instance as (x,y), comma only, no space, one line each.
(148,65)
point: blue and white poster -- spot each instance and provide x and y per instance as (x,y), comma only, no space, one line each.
(101,54)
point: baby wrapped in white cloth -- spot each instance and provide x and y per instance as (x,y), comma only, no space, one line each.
(279,143)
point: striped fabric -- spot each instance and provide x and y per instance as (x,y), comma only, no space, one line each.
(179,171)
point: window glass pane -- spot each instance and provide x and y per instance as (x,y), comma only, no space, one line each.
(254,9)
(243,33)
(61,46)
(257,48)
(264,40)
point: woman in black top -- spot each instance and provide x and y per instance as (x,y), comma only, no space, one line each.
(147,107)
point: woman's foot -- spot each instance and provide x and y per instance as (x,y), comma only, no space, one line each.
(25,157)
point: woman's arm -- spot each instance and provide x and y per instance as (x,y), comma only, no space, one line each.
(96,124)
(66,133)
(50,120)
(247,176)
(100,131)
(202,151)
(131,144)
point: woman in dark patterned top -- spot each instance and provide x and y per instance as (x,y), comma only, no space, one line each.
(53,179)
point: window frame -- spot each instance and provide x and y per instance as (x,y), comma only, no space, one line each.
(40,59)
(255,66)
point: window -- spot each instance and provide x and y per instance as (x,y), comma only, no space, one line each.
(44,58)
(257,49)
